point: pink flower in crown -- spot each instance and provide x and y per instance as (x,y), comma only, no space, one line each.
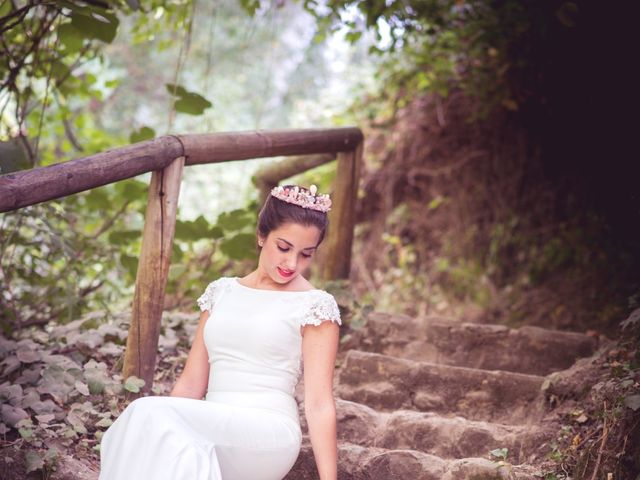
(302,198)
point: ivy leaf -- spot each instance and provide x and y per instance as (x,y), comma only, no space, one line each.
(239,247)
(96,24)
(500,453)
(192,230)
(145,133)
(70,38)
(82,388)
(188,102)
(633,402)
(76,422)
(105,422)
(132,189)
(133,384)
(34,461)
(13,415)
(234,220)
(28,356)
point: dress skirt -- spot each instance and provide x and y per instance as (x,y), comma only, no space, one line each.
(173,438)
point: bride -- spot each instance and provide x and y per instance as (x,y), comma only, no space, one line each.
(231,414)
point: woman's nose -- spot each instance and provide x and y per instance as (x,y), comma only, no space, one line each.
(291,262)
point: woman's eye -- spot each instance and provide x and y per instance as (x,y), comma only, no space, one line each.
(305,255)
(283,249)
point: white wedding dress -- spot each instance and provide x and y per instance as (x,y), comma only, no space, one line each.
(247,427)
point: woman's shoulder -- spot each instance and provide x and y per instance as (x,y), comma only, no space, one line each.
(212,292)
(322,307)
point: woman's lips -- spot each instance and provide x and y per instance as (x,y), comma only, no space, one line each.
(284,273)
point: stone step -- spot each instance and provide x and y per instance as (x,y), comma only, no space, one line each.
(370,463)
(446,437)
(390,383)
(528,349)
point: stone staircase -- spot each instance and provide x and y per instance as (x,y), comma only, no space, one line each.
(428,400)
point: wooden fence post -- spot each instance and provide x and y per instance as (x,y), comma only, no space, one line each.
(153,269)
(342,215)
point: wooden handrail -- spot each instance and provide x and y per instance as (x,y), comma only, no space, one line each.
(166,158)
(28,187)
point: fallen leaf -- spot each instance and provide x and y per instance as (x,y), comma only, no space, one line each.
(34,461)
(82,388)
(582,418)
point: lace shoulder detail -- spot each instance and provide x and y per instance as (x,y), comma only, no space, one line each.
(322,307)
(212,293)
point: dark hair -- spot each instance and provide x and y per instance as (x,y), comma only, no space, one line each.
(276,212)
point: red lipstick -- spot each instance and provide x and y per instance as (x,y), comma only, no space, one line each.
(284,273)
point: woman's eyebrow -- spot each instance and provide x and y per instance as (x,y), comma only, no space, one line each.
(291,244)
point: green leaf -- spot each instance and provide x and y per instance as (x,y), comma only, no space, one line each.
(239,247)
(59,70)
(133,384)
(192,230)
(105,422)
(98,199)
(132,189)
(124,237)
(145,133)
(34,461)
(353,37)
(250,6)
(188,102)
(130,263)
(500,453)
(26,433)
(234,220)
(216,232)
(436,202)
(12,157)
(97,24)
(70,38)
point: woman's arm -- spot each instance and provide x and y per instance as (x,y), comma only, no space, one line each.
(195,376)
(319,348)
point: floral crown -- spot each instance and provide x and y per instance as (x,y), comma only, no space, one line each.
(303,198)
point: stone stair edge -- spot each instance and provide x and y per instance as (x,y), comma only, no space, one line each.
(452,322)
(456,368)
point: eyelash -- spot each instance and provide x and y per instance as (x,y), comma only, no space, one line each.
(286,250)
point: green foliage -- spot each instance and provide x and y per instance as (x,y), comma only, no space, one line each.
(50,52)
(144,133)
(188,102)
(500,453)
(133,384)
(65,258)
(494,50)
(61,390)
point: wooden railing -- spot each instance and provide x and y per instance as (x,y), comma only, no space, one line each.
(166,158)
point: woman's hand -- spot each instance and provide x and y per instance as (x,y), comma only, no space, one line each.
(319,348)
(195,377)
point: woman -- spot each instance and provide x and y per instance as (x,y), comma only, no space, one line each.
(245,361)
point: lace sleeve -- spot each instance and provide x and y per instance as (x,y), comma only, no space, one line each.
(323,308)
(207,300)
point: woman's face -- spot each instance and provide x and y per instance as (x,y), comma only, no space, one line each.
(287,251)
